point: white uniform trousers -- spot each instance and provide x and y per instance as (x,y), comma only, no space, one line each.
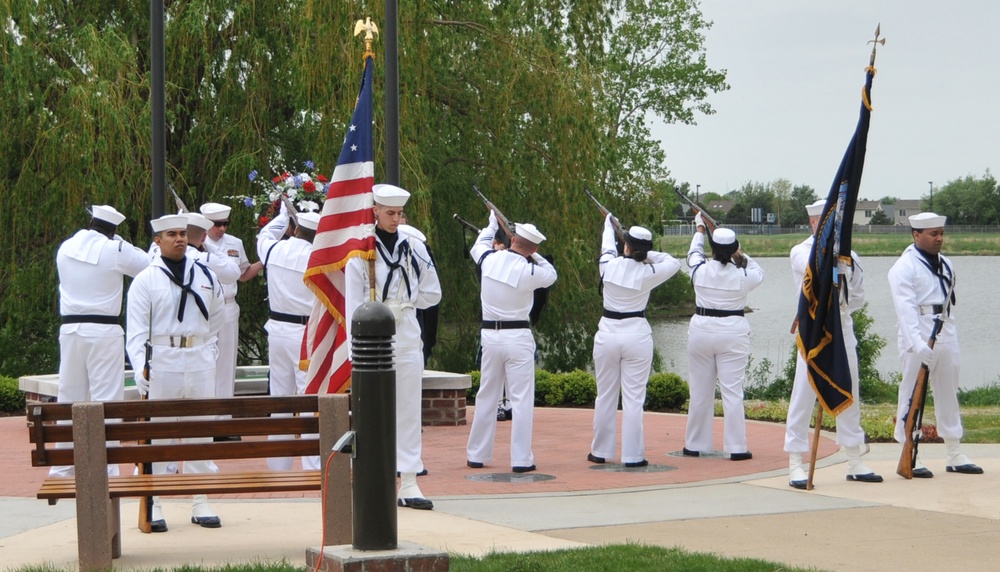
(510,355)
(90,369)
(229,339)
(711,357)
(802,403)
(621,364)
(943,384)
(183,385)
(409,407)
(285,378)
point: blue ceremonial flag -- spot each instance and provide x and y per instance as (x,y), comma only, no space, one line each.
(820,337)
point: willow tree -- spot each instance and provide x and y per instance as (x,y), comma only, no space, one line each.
(528,99)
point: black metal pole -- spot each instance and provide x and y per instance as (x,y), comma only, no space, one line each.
(156,96)
(391,93)
(373,397)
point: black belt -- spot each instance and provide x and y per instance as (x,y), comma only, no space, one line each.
(90,319)
(505,324)
(712,313)
(290,318)
(611,314)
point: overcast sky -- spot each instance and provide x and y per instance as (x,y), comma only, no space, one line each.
(796,69)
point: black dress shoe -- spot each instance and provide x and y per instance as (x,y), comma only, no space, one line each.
(417,503)
(801,485)
(641,463)
(474,464)
(967,469)
(158,526)
(595,459)
(523,469)
(422,473)
(501,414)
(922,473)
(227,438)
(741,456)
(689,453)
(865,478)
(206,521)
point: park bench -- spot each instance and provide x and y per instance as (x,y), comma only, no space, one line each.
(78,434)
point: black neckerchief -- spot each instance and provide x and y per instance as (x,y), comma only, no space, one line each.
(940,269)
(389,239)
(175,272)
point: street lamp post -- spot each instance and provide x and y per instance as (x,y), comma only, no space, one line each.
(697,192)
(931,207)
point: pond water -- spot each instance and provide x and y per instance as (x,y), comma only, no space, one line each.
(774,305)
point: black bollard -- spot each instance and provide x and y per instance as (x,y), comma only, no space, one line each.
(373,396)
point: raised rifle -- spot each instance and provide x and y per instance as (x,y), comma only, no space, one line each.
(466,224)
(619,229)
(292,212)
(146,503)
(915,410)
(710,223)
(177,200)
(505,223)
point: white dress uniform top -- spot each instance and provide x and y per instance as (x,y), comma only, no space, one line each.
(225,374)
(91,341)
(508,284)
(803,398)
(623,344)
(718,346)
(405,280)
(290,301)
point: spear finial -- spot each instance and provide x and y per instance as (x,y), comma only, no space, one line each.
(370,30)
(875,43)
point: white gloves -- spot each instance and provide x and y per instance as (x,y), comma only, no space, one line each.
(141,383)
(493,220)
(699,221)
(926,353)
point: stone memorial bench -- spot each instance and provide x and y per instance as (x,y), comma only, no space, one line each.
(92,435)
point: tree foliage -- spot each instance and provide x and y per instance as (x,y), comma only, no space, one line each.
(531,100)
(969,200)
(879,217)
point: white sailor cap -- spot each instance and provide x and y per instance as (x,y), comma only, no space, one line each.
(640,233)
(723,236)
(309,220)
(215,211)
(528,232)
(169,222)
(198,220)
(816,208)
(390,195)
(107,214)
(927,220)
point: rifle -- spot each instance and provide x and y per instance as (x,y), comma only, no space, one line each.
(466,224)
(619,229)
(505,223)
(915,412)
(710,223)
(177,200)
(146,503)
(292,212)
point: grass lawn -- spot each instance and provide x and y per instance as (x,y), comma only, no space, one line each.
(863,244)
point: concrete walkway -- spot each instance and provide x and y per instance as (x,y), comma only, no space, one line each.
(711,504)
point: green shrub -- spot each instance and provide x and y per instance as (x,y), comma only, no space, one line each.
(579,389)
(548,390)
(666,392)
(11,398)
(986,396)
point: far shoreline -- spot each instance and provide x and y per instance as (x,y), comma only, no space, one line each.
(779,245)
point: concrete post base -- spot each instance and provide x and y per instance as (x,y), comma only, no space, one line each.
(407,556)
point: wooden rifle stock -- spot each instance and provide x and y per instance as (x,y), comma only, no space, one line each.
(619,229)
(915,412)
(710,223)
(292,213)
(505,223)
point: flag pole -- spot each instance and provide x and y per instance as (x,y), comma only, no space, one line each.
(370,31)
(815,445)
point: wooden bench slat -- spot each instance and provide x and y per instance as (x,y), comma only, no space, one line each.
(136,430)
(190,484)
(131,454)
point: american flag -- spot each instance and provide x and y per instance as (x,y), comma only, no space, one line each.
(346,229)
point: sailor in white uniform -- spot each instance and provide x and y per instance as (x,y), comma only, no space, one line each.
(509,280)
(290,300)
(405,280)
(719,340)
(802,402)
(623,344)
(91,265)
(922,281)
(229,336)
(176,306)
